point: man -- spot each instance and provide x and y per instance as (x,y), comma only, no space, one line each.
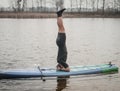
(61,40)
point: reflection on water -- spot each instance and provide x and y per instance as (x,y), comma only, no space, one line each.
(27,43)
(61,83)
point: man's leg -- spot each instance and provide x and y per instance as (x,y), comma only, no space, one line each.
(60,21)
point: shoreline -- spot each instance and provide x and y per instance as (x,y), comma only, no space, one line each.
(25,15)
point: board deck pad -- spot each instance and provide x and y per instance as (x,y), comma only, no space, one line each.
(52,72)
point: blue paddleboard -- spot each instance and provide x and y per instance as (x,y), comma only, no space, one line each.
(51,72)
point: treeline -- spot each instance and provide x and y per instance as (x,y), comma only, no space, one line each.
(77,6)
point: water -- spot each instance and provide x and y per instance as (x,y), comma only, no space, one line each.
(27,43)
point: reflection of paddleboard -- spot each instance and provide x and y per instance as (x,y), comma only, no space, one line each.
(50,72)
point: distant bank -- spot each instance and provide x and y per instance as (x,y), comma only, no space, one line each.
(53,15)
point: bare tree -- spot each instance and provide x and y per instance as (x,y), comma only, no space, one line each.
(76,3)
(37,3)
(16,5)
(41,3)
(45,5)
(103,6)
(97,5)
(32,5)
(52,4)
(118,2)
(19,5)
(24,5)
(80,4)
(93,5)
(71,5)
(116,5)
(12,5)
(86,5)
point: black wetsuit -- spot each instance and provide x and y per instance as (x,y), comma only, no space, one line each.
(62,50)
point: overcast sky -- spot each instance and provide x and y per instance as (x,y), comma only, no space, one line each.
(3,3)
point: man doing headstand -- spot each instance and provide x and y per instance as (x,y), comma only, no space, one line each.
(61,42)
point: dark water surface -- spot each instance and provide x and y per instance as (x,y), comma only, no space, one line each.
(27,43)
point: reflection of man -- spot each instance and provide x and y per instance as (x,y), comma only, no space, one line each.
(61,83)
(61,39)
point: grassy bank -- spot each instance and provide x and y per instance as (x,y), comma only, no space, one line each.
(53,15)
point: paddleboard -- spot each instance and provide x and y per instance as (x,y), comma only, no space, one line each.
(51,72)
